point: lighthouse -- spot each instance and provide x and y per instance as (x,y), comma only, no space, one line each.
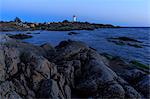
(74,18)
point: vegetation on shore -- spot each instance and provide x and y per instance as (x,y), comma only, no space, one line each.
(18,25)
(134,62)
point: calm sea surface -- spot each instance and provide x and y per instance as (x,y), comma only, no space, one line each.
(98,40)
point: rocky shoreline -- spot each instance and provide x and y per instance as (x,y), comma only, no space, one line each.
(70,70)
(53,26)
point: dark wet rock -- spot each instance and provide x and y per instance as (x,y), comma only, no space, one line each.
(135,45)
(131,92)
(49,89)
(37,33)
(20,36)
(69,48)
(126,41)
(28,33)
(70,69)
(33,33)
(144,85)
(132,76)
(99,77)
(73,33)
(49,49)
(117,64)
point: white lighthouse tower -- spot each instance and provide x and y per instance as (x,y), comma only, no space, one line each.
(74,18)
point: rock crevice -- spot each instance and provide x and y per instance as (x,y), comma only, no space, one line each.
(70,70)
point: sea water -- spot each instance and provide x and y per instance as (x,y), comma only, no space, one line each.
(98,40)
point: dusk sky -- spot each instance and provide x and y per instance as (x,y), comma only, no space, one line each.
(116,12)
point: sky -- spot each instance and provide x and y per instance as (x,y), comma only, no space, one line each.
(116,12)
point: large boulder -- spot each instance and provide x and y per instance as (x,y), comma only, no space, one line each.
(25,68)
(94,76)
(70,69)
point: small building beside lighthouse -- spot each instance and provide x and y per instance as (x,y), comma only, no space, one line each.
(74,18)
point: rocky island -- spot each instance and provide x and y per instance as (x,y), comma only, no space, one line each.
(70,70)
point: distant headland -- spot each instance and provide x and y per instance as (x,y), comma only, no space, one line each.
(18,25)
